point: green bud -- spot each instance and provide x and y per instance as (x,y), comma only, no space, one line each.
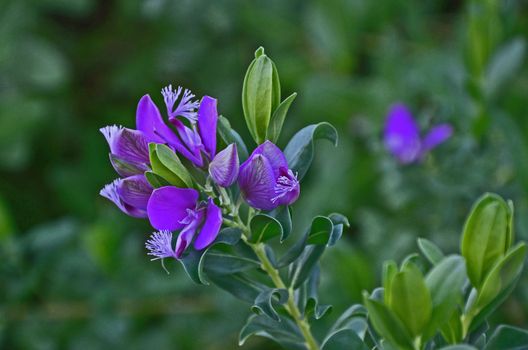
(487,236)
(166,164)
(260,95)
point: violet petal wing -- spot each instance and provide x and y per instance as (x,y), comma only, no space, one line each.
(168,205)
(274,156)
(111,192)
(207,120)
(257,182)
(135,191)
(149,121)
(224,167)
(437,135)
(190,146)
(402,135)
(211,226)
(184,238)
(131,145)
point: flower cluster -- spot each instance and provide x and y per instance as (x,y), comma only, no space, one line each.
(264,179)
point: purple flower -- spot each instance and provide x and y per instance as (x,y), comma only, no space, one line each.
(171,208)
(265,179)
(402,135)
(193,141)
(129,152)
(224,167)
(130,194)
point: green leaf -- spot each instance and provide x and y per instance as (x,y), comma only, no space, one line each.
(486,233)
(492,306)
(239,285)
(320,234)
(387,324)
(230,259)
(263,304)
(155,180)
(285,332)
(229,136)
(504,65)
(264,227)
(320,231)
(353,312)
(508,338)
(445,283)
(410,299)
(171,161)
(430,250)
(501,276)
(160,169)
(283,215)
(459,347)
(452,331)
(258,95)
(344,339)
(276,88)
(308,300)
(193,260)
(390,269)
(301,269)
(348,328)
(277,119)
(300,150)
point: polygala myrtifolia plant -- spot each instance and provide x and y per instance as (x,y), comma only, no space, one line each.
(230,210)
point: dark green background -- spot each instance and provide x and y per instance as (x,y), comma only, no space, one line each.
(73,271)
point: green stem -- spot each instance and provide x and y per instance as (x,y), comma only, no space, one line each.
(273,273)
(290,306)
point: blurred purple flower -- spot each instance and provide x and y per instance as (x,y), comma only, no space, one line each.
(192,141)
(265,179)
(224,167)
(171,208)
(402,135)
(130,194)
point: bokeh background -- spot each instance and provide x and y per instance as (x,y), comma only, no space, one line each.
(73,269)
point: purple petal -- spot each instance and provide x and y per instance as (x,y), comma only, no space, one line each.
(211,226)
(224,167)
(207,119)
(402,135)
(149,121)
(287,188)
(274,156)
(135,191)
(111,192)
(257,182)
(185,237)
(127,144)
(159,245)
(191,144)
(436,136)
(168,205)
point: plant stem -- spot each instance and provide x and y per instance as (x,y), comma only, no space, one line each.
(290,306)
(267,266)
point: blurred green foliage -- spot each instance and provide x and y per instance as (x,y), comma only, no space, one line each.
(74,273)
